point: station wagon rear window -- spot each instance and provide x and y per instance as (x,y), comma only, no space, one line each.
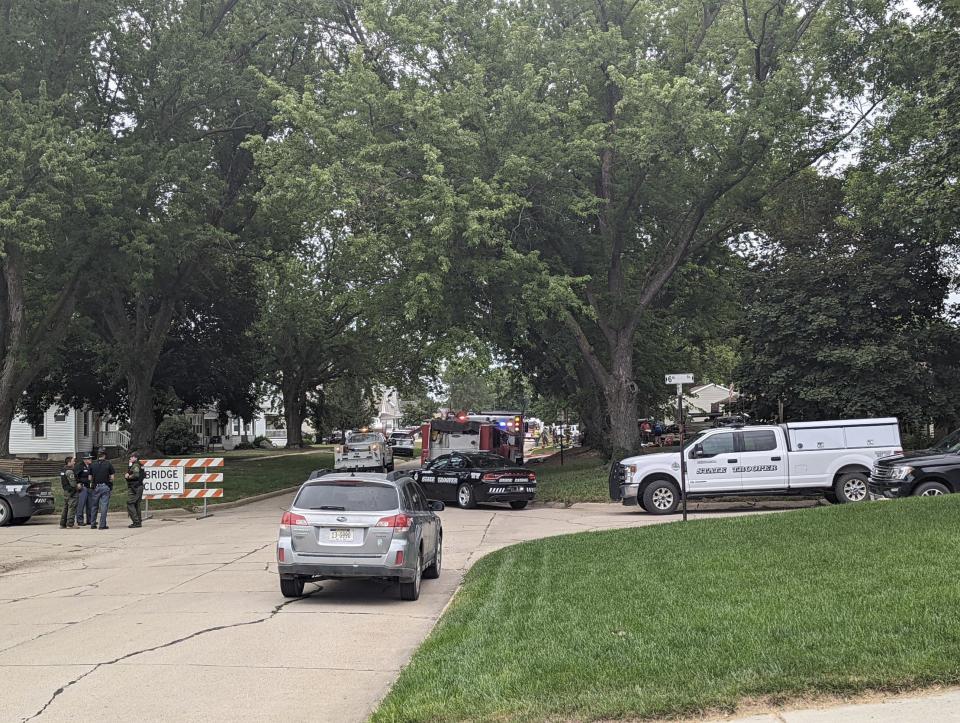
(348,495)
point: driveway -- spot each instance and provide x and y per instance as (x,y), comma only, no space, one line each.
(183,619)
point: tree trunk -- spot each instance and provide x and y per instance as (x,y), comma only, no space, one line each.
(620,393)
(7,411)
(292,391)
(143,424)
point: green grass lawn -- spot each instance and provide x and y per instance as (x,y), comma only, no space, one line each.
(679,619)
(244,476)
(581,478)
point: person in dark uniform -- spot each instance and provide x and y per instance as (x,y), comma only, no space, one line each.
(101,474)
(68,480)
(135,475)
(85,492)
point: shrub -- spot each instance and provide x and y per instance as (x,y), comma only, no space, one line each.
(175,435)
(262,442)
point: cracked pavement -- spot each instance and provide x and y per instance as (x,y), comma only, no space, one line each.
(183,618)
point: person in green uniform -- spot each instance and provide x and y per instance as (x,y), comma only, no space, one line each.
(134,476)
(68,480)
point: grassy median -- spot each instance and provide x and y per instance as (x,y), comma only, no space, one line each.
(244,475)
(679,619)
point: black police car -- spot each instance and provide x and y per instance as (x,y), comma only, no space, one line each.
(928,473)
(21,499)
(471,477)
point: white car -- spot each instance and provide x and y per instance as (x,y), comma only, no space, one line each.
(364,451)
(832,458)
(402,442)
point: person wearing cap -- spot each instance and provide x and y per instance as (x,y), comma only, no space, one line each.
(68,480)
(84,491)
(135,475)
(101,472)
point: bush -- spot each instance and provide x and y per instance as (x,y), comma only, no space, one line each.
(175,435)
(261,442)
(308,439)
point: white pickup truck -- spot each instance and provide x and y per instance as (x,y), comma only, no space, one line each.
(833,458)
(364,451)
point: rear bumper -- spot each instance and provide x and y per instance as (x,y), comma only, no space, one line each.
(25,505)
(343,571)
(403,451)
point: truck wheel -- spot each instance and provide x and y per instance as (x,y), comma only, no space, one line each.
(930,489)
(291,586)
(661,497)
(851,487)
(19,520)
(518,504)
(465,497)
(6,513)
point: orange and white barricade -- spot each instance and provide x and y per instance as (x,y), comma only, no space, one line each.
(167,479)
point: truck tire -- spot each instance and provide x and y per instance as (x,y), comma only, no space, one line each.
(661,497)
(851,487)
(6,513)
(930,489)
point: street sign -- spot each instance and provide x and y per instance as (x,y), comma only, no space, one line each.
(164,481)
(679,378)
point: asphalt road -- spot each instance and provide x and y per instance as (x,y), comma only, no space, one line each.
(183,619)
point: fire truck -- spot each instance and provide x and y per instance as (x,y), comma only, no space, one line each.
(497,432)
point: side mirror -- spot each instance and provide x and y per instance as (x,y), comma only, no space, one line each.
(697,451)
(435,505)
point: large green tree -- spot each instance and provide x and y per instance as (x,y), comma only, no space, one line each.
(55,181)
(610,143)
(845,315)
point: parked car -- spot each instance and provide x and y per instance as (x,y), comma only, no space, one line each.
(360,526)
(402,442)
(927,473)
(364,451)
(470,477)
(21,499)
(833,458)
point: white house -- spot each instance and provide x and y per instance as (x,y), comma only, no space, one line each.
(58,435)
(707,398)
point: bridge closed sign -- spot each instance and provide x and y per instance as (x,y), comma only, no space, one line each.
(164,481)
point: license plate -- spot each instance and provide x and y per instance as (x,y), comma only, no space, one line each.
(341,535)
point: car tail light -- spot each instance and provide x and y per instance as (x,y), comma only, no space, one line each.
(399,560)
(280,554)
(400,523)
(338,449)
(532,477)
(491,476)
(291,518)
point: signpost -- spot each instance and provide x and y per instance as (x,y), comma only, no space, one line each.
(679,380)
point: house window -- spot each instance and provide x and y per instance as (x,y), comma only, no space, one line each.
(236,426)
(86,424)
(39,429)
(58,417)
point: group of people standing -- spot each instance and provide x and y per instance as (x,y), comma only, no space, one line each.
(87,487)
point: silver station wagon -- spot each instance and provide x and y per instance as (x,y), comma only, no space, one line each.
(345,525)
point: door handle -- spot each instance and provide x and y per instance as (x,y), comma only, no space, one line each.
(774,459)
(731,461)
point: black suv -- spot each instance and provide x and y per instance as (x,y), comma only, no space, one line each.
(927,473)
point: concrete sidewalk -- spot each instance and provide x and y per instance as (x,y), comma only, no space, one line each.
(939,707)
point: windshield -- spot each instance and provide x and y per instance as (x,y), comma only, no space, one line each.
(348,495)
(362,439)
(487,461)
(950,443)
